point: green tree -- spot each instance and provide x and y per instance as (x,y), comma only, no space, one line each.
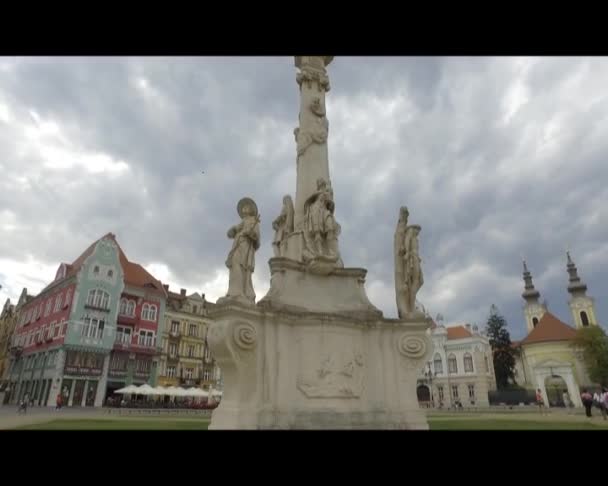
(593,342)
(502,351)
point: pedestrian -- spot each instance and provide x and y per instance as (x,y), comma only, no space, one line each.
(539,401)
(567,402)
(598,401)
(604,402)
(58,401)
(587,399)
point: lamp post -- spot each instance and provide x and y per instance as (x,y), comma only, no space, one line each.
(429,374)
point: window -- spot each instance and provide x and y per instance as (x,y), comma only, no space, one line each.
(207,354)
(68,297)
(123,335)
(189,373)
(584,319)
(119,362)
(192,331)
(174,327)
(57,303)
(143,366)
(194,309)
(438,364)
(96,270)
(98,298)
(47,307)
(471,391)
(173,350)
(190,351)
(534,321)
(440,392)
(454,391)
(64,329)
(146,338)
(452,364)
(487,363)
(93,328)
(206,375)
(148,312)
(57,330)
(468,363)
(123,307)
(171,371)
(110,273)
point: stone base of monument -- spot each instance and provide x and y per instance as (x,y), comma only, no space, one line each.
(341,366)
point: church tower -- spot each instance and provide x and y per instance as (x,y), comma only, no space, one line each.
(533,309)
(581,306)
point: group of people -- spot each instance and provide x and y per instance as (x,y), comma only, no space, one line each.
(599,400)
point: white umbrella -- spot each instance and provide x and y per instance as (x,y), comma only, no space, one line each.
(217,393)
(159,390)
(145,390)
(128,390)
(174,391)
(196,392)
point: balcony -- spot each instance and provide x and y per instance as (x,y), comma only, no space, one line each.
(128,320)
(174,334)
(96,308)
(143,349)
(189,381)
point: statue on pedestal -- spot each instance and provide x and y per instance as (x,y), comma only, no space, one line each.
(241,259)
(408,268)
(283,226)
(321,229)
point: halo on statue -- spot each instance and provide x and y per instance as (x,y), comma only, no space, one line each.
(246,201)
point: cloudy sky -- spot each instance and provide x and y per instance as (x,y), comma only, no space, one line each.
(496,158)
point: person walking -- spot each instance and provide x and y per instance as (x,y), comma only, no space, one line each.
(58,401)
(587,399)
(603,399)
(539,401)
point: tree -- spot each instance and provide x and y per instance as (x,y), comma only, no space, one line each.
(593,342)
(502,351)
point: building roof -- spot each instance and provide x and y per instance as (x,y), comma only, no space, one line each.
(458,332)
(134,274)
(550,328)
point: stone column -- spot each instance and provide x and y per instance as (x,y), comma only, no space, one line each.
(573,390)
(311,134)
(103,381)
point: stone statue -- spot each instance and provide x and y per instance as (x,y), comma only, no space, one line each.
(321,228)
(317,131)
(283,226)
(408,269)
(241,259)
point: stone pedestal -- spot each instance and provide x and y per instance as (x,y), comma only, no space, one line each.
(341,366)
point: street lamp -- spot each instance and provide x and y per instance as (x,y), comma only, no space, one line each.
(429,374)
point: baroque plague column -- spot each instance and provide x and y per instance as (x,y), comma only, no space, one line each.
(314,352)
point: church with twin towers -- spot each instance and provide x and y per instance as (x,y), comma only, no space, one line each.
(546,359)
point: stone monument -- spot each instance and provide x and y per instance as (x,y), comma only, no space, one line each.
(315,353)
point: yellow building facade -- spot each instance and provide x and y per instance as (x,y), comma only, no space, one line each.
(547,358)
(186,360)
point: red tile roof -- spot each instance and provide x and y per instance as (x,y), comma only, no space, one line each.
(134,274)
(550,328)
(458,332)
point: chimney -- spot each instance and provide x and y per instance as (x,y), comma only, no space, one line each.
(182,292)
(166,287)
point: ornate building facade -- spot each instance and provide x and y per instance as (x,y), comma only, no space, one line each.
(460,370)
(186,359)
(546,357)
(92,330)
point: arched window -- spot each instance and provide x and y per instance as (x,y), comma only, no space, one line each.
(438,364)
(468,363)
(123,306)
(98,298)
(534,321)
(144,311)
(584,319)
(452,364)
(68,298)
(152,313)
(131,308)
(96,270)
(110,273)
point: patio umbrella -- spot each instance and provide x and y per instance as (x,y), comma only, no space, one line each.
(145,390)
(128,390)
